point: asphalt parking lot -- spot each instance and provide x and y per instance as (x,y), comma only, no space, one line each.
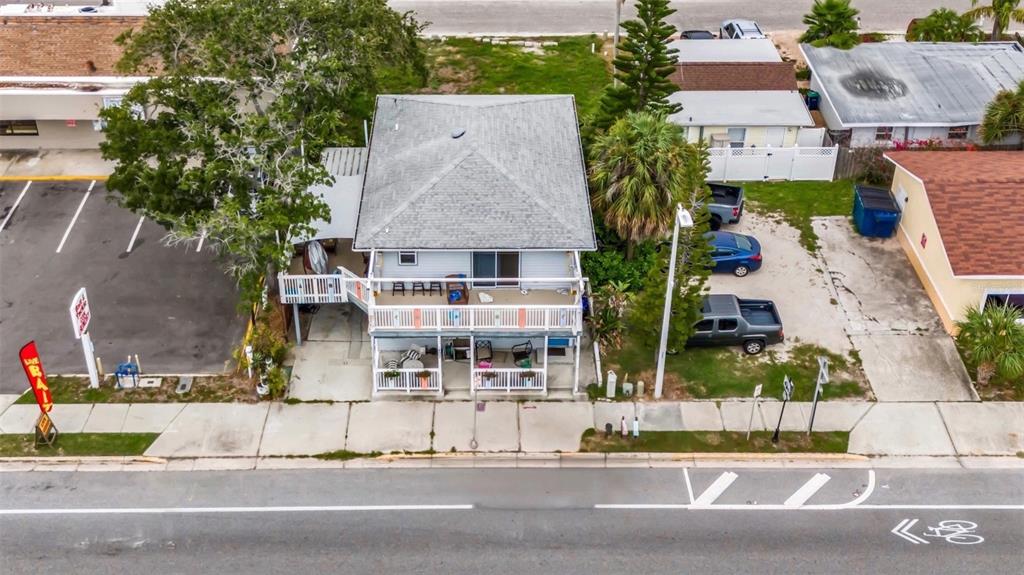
(174,307)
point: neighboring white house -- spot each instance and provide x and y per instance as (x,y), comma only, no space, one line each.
(878,93)
(471,220)
(56,74)
(753,119)
(725,50)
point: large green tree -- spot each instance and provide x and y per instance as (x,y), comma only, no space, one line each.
(1000,11)
(643,66)
(225,140)
(1004,116)
(832,23)
(945,25)
(639,170)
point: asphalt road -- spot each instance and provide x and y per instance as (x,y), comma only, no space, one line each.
(512,521)
(547,17)
(173,307)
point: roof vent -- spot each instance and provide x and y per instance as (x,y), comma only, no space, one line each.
(458,133)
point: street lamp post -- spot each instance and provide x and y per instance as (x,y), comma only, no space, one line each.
(615,42)
(683,219)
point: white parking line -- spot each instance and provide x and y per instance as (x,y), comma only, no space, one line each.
(716,489)
(196,510)
(74,219)
(807,490)
(689,486)
(131,243)
(15,206)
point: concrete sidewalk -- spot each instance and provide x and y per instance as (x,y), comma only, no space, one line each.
(53,164)
(197,430)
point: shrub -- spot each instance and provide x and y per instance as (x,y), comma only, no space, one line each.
(993,341)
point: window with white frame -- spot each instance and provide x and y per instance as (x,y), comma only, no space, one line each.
(883,134)
(737,137)
(1011,298)
(958,132)
(406,258)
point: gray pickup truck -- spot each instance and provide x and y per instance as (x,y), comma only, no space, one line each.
(729,320)
(726,205)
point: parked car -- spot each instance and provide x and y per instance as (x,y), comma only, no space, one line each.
(697,35)
(734,253)
(728,320)
(726,205)
(740,29)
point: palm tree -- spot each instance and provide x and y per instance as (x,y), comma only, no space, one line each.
(1000,11)
(832,23)
(945,25)
(639,170)
(993,340)
(1004,116)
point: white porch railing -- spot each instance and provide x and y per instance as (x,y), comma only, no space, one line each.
(312,288)
(477,317)
(768,163)
(509,380)
(407,380)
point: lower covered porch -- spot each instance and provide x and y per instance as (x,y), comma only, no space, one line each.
(464,366)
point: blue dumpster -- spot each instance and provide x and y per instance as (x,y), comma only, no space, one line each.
(813,100)
(875,212)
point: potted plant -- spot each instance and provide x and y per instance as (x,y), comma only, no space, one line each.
(391,375)
(528,377)
(489,378)
(424,377)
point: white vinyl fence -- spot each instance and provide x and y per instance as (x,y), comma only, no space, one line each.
(767,163)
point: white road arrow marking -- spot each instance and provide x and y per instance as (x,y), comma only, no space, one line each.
(807,490)
(715,490)
(902,529)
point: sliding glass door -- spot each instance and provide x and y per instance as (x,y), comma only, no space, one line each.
(502,266)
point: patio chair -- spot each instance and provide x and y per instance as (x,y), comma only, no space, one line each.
(484,352)
(522,354)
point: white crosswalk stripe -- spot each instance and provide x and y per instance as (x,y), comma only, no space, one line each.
(807,490)
(716,489)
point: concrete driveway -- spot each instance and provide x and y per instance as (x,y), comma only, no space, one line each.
(855,294)
(906,353)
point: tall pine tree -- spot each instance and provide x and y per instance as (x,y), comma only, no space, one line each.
(643,66)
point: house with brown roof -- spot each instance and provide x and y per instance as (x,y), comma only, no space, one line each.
(742,104)
(57,71)
(962,226)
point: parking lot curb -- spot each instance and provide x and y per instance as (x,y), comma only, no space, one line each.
(26,178)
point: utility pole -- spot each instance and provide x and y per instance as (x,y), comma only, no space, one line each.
(615,44)
(685,220)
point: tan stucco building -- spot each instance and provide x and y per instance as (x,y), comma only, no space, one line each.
(963,226)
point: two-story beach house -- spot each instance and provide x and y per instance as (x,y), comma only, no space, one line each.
(464,251)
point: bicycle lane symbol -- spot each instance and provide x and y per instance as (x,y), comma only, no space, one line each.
(955,531)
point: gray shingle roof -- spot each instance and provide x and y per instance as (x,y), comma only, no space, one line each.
(514,180)
(915,83)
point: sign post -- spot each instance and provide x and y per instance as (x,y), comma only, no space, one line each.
(822,380)
(80,317)
(787,394)
(753,407)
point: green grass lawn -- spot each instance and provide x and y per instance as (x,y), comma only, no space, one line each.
(78,444)
(797,202)
(721,372)
(467,66)
(204,389)
(716,442)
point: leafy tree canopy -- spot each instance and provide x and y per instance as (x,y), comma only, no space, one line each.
(1004,116)
(1000,11)
(832,23)
(945,25)
(225,140)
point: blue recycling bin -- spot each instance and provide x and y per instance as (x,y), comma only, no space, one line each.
(875,212)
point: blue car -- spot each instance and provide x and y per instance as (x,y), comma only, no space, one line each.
(735,253)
